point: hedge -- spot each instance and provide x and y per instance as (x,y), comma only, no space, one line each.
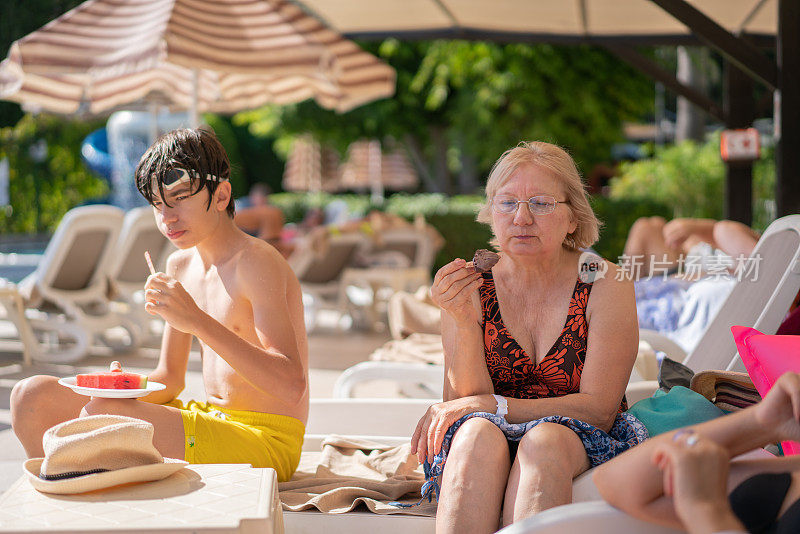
(454,217)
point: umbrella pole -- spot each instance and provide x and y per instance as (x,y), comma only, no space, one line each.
(194,119)
(375,172)
(153,121)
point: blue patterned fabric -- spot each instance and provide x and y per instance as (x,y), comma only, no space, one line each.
(659,302)
(626,432)
(679,309)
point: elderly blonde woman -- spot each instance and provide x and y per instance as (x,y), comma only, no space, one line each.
(538,351)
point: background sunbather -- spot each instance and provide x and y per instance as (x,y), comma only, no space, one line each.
(258,218)
(529,358)
(681,478)
(656,242)
(680,307)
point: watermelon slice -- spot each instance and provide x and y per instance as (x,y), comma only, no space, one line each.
(114,379)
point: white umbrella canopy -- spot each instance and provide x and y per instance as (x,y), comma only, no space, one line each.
(531,18)
(206,55)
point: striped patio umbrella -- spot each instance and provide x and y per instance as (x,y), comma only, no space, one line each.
(315,167)
(311,166)
(203,55)
(367,166)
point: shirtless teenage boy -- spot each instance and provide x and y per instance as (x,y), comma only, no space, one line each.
(237,295)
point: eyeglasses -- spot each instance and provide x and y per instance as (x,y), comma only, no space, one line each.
(541,205)
(176,176)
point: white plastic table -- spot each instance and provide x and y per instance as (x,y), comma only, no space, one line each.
(212,498)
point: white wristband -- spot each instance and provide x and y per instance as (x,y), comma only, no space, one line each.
(502,406)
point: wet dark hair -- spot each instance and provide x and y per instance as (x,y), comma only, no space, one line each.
(196,150)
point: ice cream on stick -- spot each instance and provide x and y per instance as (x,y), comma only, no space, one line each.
(484,260)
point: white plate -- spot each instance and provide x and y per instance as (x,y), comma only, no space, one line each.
(111,393)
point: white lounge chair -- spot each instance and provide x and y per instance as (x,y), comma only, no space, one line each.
(129,271)
(398,259)
(65,298)
(414,243)
(761,303)
(392,421)
(320,272)
(597,517)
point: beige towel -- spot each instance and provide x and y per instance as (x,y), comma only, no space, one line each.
(417,348)
(352,471)
(410,313)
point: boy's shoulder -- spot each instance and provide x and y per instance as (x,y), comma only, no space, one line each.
(178,260)
(259,262)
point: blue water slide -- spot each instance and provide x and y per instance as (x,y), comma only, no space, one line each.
(95,153)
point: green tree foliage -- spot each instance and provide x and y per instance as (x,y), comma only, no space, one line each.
(43,189)
(253,159)
(459,105)
(690,178)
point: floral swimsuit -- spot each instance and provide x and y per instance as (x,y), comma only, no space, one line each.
(512,371)
(559,373)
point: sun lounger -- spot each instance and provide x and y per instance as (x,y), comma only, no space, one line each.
(319,265)
(596,517)
(392,422)
(129,271)
(66,297)
(398,260)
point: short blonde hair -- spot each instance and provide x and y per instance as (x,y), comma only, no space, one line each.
(560,165)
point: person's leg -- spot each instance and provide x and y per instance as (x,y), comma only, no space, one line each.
(167,421)
(549,457)
(474,479)
(634,484)
(646,243)
(734,238)
(38,403)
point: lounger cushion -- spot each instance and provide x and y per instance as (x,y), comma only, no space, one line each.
(766,358)
(667,411)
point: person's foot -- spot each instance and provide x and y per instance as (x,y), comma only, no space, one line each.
(779,412)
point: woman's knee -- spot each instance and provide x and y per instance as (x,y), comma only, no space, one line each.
(553,447)
(479,437)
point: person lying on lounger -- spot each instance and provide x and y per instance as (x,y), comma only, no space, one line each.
(539,346)
(683,478)
(657,247)
(684,270)
(233,292)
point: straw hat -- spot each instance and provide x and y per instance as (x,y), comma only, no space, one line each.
(95,452)
(707,383)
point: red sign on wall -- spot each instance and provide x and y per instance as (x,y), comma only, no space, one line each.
(740,145)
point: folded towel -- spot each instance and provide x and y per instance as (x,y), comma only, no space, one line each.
(349,472)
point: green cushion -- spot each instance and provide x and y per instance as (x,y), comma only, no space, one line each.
(667,411)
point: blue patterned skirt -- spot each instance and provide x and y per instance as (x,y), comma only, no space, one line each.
(626,432)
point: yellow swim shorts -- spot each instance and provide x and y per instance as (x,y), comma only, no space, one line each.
(216,435)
